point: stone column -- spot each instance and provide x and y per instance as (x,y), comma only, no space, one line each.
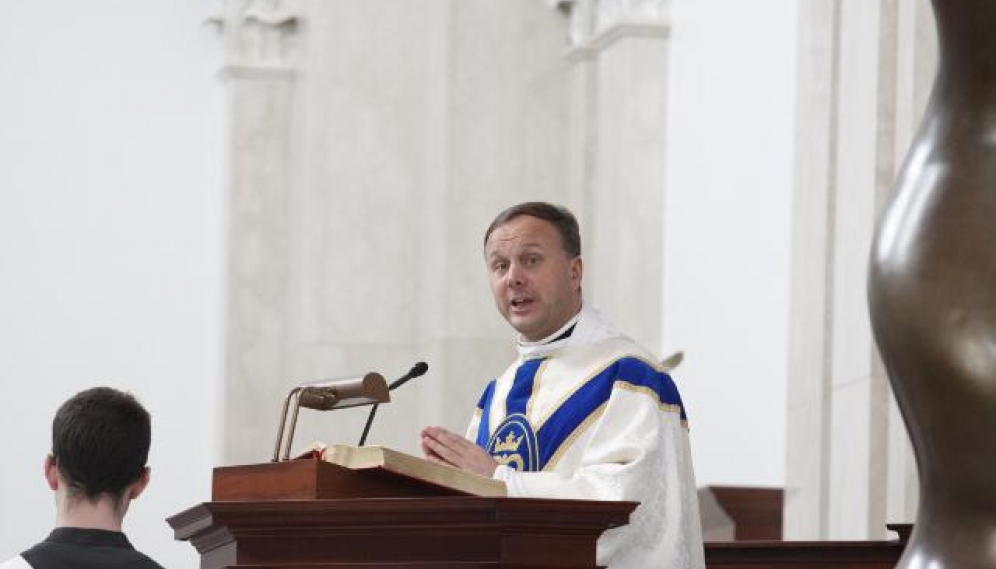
(618,67)
(259,38)
(368,160)
(861,92)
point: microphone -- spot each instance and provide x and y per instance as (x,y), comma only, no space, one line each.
(417,370)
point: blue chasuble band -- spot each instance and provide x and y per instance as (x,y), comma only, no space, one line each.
(513,441)
(484,406)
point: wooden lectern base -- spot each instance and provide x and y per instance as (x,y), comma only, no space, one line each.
(284,515)
(457,532)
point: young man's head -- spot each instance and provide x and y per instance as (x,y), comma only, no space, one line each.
(533,255)
(100,445)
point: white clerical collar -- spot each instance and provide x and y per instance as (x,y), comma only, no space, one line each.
(589,327)
(555,341)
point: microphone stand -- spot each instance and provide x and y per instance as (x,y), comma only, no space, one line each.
(417,370)
(366,428)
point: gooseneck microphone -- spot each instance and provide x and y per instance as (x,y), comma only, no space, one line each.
(417,370)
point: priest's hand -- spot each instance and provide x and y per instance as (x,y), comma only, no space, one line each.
(443,446)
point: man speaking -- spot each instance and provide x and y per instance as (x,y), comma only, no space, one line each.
(583,412)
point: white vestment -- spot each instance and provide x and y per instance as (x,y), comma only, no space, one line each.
(593,416)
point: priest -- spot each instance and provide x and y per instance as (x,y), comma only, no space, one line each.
(583,412)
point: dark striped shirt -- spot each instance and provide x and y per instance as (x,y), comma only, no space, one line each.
(76,548)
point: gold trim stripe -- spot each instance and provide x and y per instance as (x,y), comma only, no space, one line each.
(597,413)
(536,382)
(569,394)
(627,386)
(654,365)
(479,416)
(569,441)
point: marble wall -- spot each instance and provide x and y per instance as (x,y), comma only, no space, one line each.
(864,75)
(618,66)
(372,143)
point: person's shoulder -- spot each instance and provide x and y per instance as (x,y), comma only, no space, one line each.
(147,562)
(17,562)
(621,362)
(611,350)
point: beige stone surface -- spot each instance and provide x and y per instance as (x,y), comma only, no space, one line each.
(849,490)
(810,325)
(807,473)
(625,220)
(373,142)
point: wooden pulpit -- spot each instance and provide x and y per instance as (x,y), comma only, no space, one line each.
(316,514)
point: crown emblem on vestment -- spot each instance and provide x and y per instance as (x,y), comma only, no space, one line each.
(511,443)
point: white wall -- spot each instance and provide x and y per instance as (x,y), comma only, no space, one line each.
(111,243)
(727,230)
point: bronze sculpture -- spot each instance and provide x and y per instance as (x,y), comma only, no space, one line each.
(932,296)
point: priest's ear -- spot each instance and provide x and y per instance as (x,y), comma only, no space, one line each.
(575,271)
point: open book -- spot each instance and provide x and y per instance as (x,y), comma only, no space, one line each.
(399,463)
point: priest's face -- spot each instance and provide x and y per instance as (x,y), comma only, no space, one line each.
(537,288)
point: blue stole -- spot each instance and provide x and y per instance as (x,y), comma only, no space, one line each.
(517,444)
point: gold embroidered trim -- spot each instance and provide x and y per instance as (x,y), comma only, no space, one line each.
(577,432)
(627,386)
(536,383)
(597,413)
(539,424)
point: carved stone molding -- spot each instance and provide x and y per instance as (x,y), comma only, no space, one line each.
(259,35)
(596,20)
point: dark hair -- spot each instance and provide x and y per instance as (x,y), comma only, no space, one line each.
(559,216)
(100,441)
